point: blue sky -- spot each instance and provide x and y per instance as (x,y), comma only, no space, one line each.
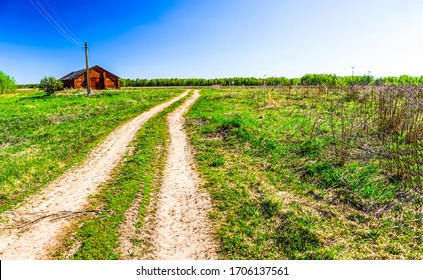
(214,38)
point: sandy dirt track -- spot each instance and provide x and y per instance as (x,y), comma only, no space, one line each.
(183,229)
(66,195)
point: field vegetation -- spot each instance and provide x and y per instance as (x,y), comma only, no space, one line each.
(42,136)
(294,172)
(313,172)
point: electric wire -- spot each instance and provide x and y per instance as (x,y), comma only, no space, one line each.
(54,23)
(74,40)
(64,25)
(45,13)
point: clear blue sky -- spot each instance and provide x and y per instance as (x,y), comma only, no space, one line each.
(214,38)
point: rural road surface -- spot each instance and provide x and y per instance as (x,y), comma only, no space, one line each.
(183,229)
(44,214)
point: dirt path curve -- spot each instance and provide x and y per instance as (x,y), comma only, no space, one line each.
(183,229)
(66,195)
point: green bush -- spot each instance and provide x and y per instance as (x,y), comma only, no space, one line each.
(7,83)
(50,84)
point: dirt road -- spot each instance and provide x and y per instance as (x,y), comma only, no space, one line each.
(46,213)
(183,229)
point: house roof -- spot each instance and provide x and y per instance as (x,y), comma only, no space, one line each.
(75,74)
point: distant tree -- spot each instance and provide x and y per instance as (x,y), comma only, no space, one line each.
(50,84)
(7,83)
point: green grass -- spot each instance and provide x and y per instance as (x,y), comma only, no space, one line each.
(41,137)
(283,189)
(137,174)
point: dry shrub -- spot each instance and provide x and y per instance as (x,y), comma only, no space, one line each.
(400,112)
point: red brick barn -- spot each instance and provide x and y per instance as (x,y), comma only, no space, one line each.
(100,79)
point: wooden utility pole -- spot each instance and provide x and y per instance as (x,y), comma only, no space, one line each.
(88,70)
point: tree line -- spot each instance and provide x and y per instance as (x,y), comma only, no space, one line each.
(8,83)
(48,84)
(308,79)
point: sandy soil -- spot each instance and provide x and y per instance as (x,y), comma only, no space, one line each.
(33,226)
(183,229)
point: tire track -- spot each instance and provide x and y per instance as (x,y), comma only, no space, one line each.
(183,229)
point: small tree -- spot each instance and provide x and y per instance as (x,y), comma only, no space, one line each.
(50,84)
(7,83)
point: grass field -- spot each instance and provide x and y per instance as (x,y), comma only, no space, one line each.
(40,136)
(286,184)
(293,172)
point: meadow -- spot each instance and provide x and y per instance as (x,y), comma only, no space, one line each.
(313,172)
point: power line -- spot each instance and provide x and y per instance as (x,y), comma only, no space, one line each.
(71,36)
(64,25)
(46,14)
